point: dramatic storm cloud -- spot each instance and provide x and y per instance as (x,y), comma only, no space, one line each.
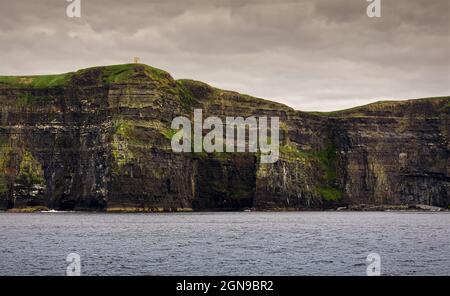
(308,54)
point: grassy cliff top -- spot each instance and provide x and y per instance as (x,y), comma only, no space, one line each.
(421,105)
(36,81)
(123,73)
(106,74)
(197,90)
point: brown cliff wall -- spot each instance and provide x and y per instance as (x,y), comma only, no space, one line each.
(100,139)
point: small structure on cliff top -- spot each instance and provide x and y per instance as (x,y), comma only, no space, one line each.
(136,60)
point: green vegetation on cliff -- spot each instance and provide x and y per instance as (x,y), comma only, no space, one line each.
(5,155)
(30,171)
(330,193)
(325,157)
(121,134)
(38,81)
(388,107)
(290,151)
(124,73)
(186,95)
(102,74)
(103,136)
(326,160)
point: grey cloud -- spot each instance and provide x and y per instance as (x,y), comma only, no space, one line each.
(311,55)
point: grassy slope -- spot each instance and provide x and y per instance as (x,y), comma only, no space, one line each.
(109,74)
(126,72)
(380,105)
(38,81)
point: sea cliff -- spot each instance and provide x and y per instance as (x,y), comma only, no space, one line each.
(99,139)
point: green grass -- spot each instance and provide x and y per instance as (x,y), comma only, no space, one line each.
(39,81)
(358,111)
(325,157)
(123,128)
(108,74)
(5,157)
(293,152)
(330,193)
(125,73)
(30,171)
(168,133)
(186,96)
(327,160)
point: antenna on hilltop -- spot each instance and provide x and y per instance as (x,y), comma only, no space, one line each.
(136,60)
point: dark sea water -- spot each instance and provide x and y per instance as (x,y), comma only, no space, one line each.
(294,243)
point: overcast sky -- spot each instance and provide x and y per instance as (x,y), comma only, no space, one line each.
(309,54)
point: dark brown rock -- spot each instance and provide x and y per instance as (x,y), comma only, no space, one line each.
(99,139)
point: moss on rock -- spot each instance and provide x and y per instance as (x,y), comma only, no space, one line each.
(30,171)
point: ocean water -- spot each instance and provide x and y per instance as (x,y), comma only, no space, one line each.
(241,243)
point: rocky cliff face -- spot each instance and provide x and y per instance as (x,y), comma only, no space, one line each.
(99,139)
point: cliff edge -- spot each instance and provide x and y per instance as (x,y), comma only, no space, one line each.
(99,139)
